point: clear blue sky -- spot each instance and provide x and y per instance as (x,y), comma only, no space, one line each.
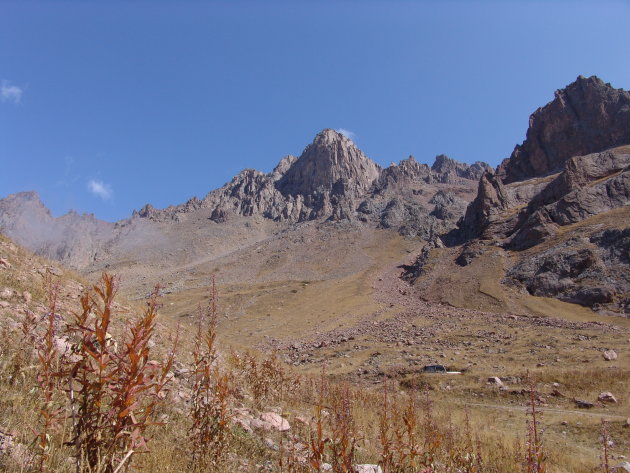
(108,105)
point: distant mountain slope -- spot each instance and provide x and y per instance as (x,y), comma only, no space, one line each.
(72,238)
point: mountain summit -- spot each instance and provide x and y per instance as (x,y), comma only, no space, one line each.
(332,159)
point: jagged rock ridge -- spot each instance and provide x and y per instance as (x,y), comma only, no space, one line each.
(332,180)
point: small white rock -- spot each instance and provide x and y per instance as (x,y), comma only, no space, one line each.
(495,380)
(622,468)
(276,421)
(610,355)
(367,468)
(607,397)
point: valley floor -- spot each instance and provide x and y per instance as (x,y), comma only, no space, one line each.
(370,327)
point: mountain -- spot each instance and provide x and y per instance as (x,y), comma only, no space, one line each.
(500,270)
(71,238)
(331,162)
(551,221)
(559,205)
(585,117)
(331,181)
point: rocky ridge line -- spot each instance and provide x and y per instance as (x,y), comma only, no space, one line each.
(332,179)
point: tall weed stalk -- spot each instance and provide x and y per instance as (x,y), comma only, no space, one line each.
(209,408)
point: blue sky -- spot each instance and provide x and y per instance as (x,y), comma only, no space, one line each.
(105,106)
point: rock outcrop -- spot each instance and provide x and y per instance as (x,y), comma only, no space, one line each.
(523,214)
(573,166)
(589,185)
(585,117)
(586,270)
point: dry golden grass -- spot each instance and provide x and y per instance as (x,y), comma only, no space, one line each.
(299,308)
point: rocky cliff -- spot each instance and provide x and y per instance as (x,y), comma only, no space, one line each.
(585,117)
(565,138)
(570,176)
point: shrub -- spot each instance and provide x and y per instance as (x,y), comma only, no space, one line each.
(112,390)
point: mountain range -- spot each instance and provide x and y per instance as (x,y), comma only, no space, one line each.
(555,213)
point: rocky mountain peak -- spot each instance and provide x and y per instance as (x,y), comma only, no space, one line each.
(444,164)
(26,196)
(587,116)
(30,200)
(331,157)
(329,136)
(282,167)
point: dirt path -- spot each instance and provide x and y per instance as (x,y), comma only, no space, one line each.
(544,409)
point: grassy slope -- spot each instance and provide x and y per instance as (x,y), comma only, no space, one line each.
(280,310)
(290,288)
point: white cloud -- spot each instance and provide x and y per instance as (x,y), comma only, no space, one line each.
(100,189)
(347,133)
(10,93)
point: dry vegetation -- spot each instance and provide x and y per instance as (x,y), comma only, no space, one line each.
(86,392)
(374,405)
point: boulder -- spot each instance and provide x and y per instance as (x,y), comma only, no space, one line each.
(367,468)
(607,397)
(610,355)
(584,404)
(273,421)
(496,381)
